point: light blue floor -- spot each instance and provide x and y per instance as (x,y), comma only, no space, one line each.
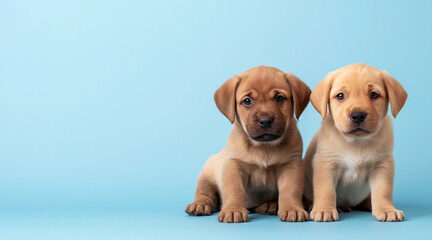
(172,223)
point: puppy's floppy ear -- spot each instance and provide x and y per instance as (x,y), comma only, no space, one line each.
(320,95)
(396,93)
(300,92)
(225,98)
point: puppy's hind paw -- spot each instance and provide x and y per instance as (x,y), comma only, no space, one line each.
(198,209)
(392,215)
(269,208)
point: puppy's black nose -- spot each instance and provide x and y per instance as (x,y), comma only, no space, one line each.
(265,122)
(358,117)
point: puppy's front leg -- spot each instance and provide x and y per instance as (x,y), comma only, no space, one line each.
(234,183)
(290,187)
(381,184)
(324,184)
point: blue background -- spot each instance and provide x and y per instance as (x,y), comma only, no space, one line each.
(107,112)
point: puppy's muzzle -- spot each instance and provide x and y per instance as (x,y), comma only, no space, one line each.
(358,117)
(265,128)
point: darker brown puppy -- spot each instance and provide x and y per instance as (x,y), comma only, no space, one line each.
(261,164)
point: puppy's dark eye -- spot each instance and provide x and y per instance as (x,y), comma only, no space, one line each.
(280,98)
(374,95)
(340,96)
(247,101)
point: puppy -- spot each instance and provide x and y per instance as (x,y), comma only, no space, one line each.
(261,164)
(349,163)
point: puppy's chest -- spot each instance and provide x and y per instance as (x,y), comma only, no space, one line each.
(263,175)
(262,178)
(355,167)
(266,159)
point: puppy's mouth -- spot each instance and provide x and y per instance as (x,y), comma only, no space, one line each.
(266,137)
(359,131)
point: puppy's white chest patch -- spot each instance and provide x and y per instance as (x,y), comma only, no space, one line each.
(353,186)
(351,168)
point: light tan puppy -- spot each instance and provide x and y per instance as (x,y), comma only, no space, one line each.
(261,165)
(349,163)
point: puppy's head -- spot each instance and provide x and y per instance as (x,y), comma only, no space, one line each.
(262,100)
(358,96)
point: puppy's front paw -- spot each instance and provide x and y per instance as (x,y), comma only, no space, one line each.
(198,209)
(293,215)
(324,215)
(392,215)
(233,215)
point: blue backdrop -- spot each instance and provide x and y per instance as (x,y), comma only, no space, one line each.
(107,112)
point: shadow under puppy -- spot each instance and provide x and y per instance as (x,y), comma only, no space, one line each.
(261,164)
(349,163)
